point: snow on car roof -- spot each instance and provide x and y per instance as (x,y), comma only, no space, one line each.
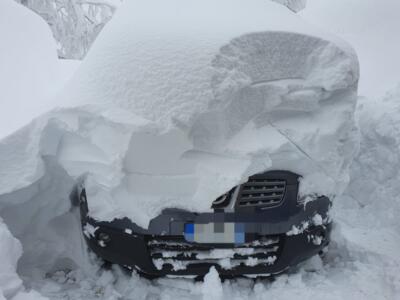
(169,60)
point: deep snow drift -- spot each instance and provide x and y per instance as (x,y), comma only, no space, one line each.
(362,262)
(210,92)
(164,115)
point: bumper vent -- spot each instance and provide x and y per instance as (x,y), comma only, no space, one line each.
(175,255)
(261,192)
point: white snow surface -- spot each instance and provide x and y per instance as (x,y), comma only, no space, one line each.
(372,28)
(164,115)
(40,162)
(30,74)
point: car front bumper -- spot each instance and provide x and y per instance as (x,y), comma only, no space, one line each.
(275,240)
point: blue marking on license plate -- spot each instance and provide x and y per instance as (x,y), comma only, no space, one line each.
(239,233)
(189,232)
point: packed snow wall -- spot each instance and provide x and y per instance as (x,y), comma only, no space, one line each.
(170,110)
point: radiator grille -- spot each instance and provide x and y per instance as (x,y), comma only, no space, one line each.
(175,254)
(261,192)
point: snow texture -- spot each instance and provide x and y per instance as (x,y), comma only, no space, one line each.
(163,115)
(40,162)
(205,102)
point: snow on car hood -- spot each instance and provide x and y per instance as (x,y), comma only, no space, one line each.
(180,100)
(231,89)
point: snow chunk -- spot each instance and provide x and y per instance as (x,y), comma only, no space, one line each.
(296,230)
(212,287)
(317,220)
(89,230)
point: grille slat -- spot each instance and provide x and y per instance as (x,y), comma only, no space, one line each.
(264,182)
(193,256)
(258,197)
(251,190)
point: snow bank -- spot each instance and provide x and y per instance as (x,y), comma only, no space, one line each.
(30,72)
(170,110)
(375,173)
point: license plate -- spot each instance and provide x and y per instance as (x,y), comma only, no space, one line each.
(218,233)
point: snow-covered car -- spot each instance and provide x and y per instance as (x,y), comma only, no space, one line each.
(183,101)
(251,231)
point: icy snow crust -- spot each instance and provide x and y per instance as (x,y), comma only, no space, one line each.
(173,107)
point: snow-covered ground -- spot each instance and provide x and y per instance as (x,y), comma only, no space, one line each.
(362,261)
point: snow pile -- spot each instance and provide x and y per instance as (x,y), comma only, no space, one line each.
(30,72)
(39,164)
(171,111)
(221,100)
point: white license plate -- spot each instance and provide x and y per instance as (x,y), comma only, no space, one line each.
(215,233)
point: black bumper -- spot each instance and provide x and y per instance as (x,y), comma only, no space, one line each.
(124,243)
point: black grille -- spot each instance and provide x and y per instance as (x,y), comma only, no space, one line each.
(261,192)
(175,254)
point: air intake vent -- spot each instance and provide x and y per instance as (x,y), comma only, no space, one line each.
(263,192)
